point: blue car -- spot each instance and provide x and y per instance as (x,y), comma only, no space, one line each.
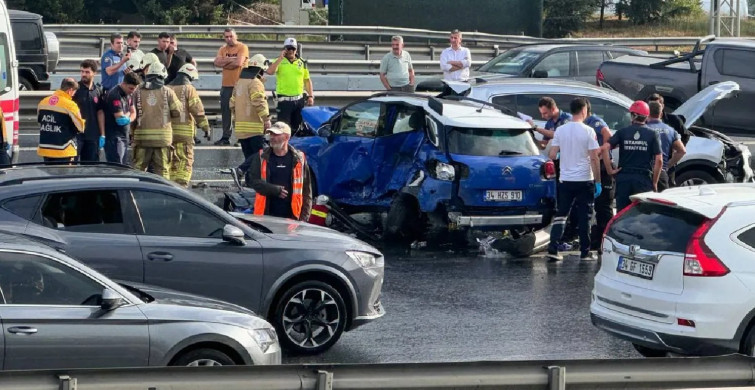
(406,167)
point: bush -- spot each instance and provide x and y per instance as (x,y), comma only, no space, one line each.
(562,17)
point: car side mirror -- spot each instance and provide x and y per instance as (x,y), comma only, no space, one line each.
(540,74)
(324,131)
(233,235)
(110,300)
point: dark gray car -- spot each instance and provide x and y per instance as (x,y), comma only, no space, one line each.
(58,313)
(311,283)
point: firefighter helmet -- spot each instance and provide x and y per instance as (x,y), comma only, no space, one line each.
(157,69)
(259,61)
(190,70)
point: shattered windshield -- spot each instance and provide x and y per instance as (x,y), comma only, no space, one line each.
(511,62)
(491,142)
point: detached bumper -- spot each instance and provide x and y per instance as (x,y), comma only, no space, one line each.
(494,221)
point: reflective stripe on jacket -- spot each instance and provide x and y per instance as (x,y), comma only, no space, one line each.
(59,121)
(297,199)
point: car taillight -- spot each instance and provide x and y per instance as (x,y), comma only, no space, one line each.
(699,260)
(599,77)
(615,217)
(548,170)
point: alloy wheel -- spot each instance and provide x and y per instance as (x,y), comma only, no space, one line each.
(311,318)
(204,363)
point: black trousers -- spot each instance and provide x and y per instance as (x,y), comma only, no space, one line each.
(4,157)
(251,148)
(628,184)
(664,182)
(290,112)
(578,195)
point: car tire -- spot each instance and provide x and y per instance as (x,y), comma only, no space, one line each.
(403,221)
(649,352)
(25,85)
(694,178)
(203,357)
(296,316)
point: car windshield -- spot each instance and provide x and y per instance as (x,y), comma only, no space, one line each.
(512,62)
(491,142)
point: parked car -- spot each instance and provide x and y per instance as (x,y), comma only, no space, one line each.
(711,156)
(679,78)
(677,272)
(59,313)
(311,283)
(559,60)
(408,167)
(37,50)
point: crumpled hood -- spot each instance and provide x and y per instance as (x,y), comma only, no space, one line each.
(704,100)
(166,296)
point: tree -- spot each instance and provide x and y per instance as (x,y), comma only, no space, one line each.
(561,17)
(53,11)
(648,11)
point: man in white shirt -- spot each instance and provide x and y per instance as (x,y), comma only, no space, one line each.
(579,176)
(455,60)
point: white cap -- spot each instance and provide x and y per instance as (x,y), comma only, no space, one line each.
(290,42)
(280,128)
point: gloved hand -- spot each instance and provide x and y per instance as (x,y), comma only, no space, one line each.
(123,120)
(102,141)
(207,135)
(598,189)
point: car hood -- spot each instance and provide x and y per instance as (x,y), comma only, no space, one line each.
(704,100)
(164,296)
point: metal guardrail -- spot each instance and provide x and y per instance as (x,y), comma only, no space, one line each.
(554,375)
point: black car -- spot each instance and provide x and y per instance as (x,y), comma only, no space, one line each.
(37,51)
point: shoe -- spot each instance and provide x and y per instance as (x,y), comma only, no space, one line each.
(222,142)
(553,257)
(237,144)
(564,246)
(589,256)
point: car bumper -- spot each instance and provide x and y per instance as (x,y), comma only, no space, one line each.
(368,285)
(483,221)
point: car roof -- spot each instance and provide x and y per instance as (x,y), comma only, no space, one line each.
(18,14)
(543,47)
(21,173)
(707,200)
(17,242)
(732,42)
(545,86)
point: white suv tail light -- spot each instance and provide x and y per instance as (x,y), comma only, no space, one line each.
(699,260)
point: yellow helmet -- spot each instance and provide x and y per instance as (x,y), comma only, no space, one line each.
(190,70)
(259,61)
(157,69)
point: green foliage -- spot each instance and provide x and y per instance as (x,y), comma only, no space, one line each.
(53,11)
(562,17)
(650,11)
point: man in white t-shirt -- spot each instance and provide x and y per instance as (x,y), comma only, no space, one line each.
(455,60)
(579,176)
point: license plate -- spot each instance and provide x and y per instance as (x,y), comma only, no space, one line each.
(635,268)
(502,196)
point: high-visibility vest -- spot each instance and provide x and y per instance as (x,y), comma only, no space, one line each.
(297,199)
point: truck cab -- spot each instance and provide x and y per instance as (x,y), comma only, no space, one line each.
(37,51)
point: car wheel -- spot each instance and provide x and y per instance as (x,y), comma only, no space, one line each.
(649,352)
(402,224)
(694,178)
(203,357)
(25,85)
(310,317)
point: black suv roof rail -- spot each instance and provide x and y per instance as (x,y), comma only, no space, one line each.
(20,180)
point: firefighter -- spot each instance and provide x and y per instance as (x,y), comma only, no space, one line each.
(250,110)
(59,122)
(155,104)
(183,126)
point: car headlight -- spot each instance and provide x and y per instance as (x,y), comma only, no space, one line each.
(444,171)
(264,337)
(364,259)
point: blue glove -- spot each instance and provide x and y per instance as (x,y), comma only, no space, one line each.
(102,141)
(598,189)
(558,156)
(122,120)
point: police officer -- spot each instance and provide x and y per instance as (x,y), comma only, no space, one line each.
(671,143)
(113,63)
(603,203)
(251,112)
(292,78)
(183,126)
(641,159)
(59,122)
(676,123)
(554,117)
(155,105)
(89,99)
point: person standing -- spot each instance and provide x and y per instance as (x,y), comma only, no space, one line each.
(89,98)
(114,63)
(553,116)
(579,178)
(59,121)
(671,143)
(183,126)
(280,177)
(232,57)
(292,79)
(156,105)
(455,60)
(676,123)
(251,112)
(133,40)
(396,71)
(163,51)
(641,159)
(604,202)
(178,58)
(116,113)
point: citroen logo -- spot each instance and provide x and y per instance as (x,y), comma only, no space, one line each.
(507,170)
(633,249)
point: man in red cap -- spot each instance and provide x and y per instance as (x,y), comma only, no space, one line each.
(640,157)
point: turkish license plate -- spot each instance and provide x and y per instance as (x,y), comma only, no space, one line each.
(635,268)
(503,196)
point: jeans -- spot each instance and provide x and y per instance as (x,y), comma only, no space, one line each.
(251,148)
(628,184)
(116,150)
(579,194)
(225,111)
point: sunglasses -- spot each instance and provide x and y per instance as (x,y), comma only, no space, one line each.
(290,48)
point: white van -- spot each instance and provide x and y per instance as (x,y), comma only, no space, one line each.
(8,84)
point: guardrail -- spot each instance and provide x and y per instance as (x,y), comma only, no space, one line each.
(554,375)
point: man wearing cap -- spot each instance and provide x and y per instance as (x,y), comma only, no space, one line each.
(232,57)
(280,177)
(292,77)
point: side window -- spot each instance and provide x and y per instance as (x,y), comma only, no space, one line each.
(615,116)
(166,215)
(589,61)
(404,119)
(556,64)
(508,101)
(27,35)
(736,63)
(96,211)
(748,238)
(35,280)
(527,104)
(362,119)
(23,207)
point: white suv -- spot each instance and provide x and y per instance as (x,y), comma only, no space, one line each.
(678,272)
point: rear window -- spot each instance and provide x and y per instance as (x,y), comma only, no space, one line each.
(656,227)
(491,142)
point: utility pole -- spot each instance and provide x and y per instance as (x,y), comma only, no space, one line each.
(725,15)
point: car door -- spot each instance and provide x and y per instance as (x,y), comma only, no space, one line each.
(52,319)
(89,226)
(588,62)
(730,64)
(184,250)
(346,172)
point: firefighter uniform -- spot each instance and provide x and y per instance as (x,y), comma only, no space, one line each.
(59,122)
(183,129)
(250,110)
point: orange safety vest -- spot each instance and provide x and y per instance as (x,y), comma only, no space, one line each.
(297,199)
